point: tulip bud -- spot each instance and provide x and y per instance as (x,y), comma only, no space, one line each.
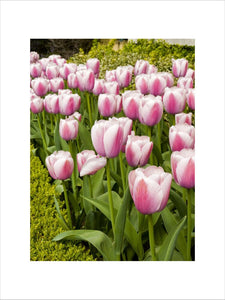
(52,71)
(76,115)
(138,150)
(94,65)
(109,104)
(34,57)
(64,92)
(168,77)
(86,80)
(35,69)
(131,101)
(141,67)
(68,129)
(44,62)
(111,88)
(152,69)
(123,76)
(67,69)
(126,124)
(107,137)
(191,98)
(179,67)
(60,165)
(174,100)
(185,82)
(36,105)
(99,87)
(190,73)
(69,103)
(183,167)
(56,84)
(53,58)
(142,83)
(183,118)
(181,136)
(40,86)
(51,103)
(88,163)
(149,189)
(157,84)
(110,75)
(60,62)
(150,110)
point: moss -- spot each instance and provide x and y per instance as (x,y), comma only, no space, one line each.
(44,224)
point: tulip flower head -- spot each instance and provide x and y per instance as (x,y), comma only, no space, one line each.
(157,84)
(150,110)
(99,87)
(56,84)
(179,67)
(191,98)
(52,71)
(149,189)
(69,103)
(185,82)
(36,105)
(110,75)
(142,83)
(68,128)
(34,57)
(169,78)
(123,76)
(107,137)
(111,88)
(174,100)
(72,81)
(86,80)
(51,103)
(131,101)
(67,69)
(35,69)
(182,118)
(89,163)
(60,165)
(183,167)
(190,73)
(40,86)
(138,150)
(109,104)
(141,67)
(181,136)
(94,65)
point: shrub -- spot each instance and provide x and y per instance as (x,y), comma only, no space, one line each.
(44,224)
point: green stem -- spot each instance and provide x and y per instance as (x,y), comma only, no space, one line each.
(110,196)
(67,205)
(74,174)
(42,135)
(89,108)
(159,135)
(122,171)
(189,224)
(151,237)
(150,135)
(90,185)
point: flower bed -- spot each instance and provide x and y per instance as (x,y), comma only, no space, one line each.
(116,132)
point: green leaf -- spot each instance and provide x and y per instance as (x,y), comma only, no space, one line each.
(87,194)
(97,183)
(166,250)
(60,217)
(85,137)
(97,238)
(178,202)
(57,136)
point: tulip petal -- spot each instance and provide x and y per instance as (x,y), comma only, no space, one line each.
(113,140)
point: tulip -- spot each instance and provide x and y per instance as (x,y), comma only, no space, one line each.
(111,88)
(190,73)
(109,104)
(110,75)
(67,69)
(76,115)
(68,129)
(174,100)
(126,124)
(152,69)
(107,137)
(64,92)
(35,69)
(169,78)
(53,58)
(56,84)
(142,83)
(181,136)
(81,67)
(179,67)
(34,57)
(182,118)
(150,110)
(72,81)
(98,87)
(40,86)
(36,105)
(149,189)
(183,167)
(141,67)
(191,98)
(138,150)
(89,163)
(93,64)
(131,101)
(60,165)
(123,76)
(86,80)
(52,70)
(157,84)
(60,62)
(185,82)
(51,103)
(44,62)
(69,103)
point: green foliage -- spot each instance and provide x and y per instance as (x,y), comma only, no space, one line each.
(156,52)
(44,224)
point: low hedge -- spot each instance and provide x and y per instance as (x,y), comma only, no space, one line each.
(44,224)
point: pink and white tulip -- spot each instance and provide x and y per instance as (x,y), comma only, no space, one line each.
(56,84)
(72,81)
(174,100)
(67,69)
(190,73)
(36,105)
(169,78)
(131,101)
(138,150)
(185,82)
(182,118)
(60,62)
(110,75)
(109,104)
(179,67)
(191,98)
(157,84)
(89,163)
(94,65)
(123,76)
(142,83)
(107,137)
(53,58)
(181,136)
(68,129)
(34,57)
(99,87)
(150,189)
(35,69)
(60,165)
(52,71)
(150,110)
(40,86)
(183,167)
(111,88)
(69,103)
(86,80)
(51,103)
(141,67)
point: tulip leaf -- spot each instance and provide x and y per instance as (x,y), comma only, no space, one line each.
(60,216)
(166,250)
(178,202)
(57,136)
(97,238)
(97,182)
(85,137)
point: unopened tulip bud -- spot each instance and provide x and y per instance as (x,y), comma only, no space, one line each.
(89,163)
(60,165)
(179,67)
(51,103)
(185,82)
(52,71)
(86,80)
(69,103)
(111,88)
(174,100)
(40,86)
(123,76)
(150,110)
(142,83)
(56,84)
(181,136)
(36,105)
(191,98)
(182,118)
(131,101)
(94,65)
(157,84)
(35,70)
(141,67)
(68,129)
(109,104)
